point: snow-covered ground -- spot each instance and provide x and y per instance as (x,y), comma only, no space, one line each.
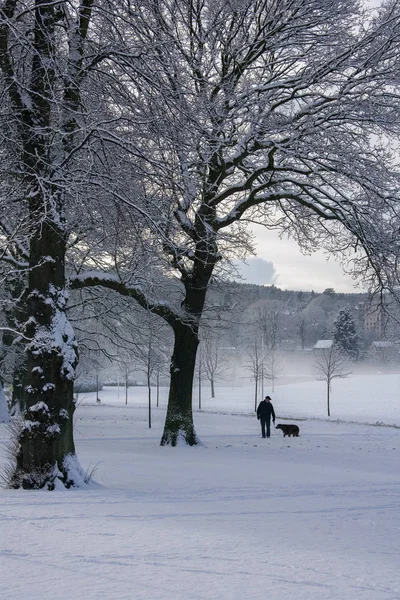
(238,518)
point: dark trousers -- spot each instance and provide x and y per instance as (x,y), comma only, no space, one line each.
(265,422)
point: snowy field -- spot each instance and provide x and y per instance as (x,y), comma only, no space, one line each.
(237,518)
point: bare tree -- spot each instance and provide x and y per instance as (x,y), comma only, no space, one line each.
(255,366)
(213,360)
(126,368)
(276,112)
(199,373)
(272,366)
(268,322)
(301,325)
(149,353)
(329,364)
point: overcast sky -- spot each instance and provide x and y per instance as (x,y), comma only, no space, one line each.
(280,262)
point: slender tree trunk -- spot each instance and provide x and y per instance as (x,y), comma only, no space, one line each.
(149,398)
(262,381)
(212,388)
(200,385)
(179,419)
(328,397)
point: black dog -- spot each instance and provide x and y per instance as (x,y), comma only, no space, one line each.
(290,430)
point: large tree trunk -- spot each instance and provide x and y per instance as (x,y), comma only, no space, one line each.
(46,446)
(179,420)
(179,425)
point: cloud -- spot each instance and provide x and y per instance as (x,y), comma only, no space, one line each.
(258,271)
(296,271)
(279,262)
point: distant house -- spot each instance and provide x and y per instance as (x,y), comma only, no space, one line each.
(380,347)
(386,353)
(322,345)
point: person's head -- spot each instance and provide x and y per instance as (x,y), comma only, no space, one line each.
(267,398)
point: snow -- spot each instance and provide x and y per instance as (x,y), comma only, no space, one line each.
(323,344)
(64,341)
(94,274)
(3,407)
(39,407)
(239,517)
(383,344)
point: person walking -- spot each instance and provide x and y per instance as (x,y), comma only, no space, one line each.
(265,411)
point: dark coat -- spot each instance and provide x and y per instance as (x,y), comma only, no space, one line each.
(265,411)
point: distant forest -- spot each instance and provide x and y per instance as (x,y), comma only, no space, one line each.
(244,327)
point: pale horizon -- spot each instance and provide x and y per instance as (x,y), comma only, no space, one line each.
(280,262)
